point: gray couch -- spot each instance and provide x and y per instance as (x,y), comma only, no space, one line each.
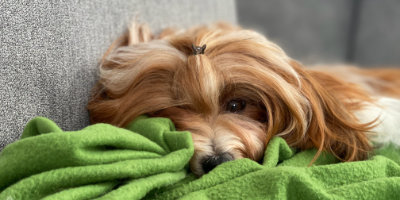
(49,51)
(364,32)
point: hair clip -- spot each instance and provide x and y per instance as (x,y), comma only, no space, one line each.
(198,49)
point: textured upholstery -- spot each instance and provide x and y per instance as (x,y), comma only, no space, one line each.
(49,51)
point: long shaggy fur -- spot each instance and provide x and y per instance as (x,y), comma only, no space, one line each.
(159,76)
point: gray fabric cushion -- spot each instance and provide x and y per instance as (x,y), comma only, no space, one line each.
(378,38)
(49,51)
(326,31)
(311,31)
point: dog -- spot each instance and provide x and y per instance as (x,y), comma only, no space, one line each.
(234,90)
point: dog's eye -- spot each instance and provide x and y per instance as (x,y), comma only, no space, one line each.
(236,105)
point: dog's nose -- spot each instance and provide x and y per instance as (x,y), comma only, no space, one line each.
(210,162)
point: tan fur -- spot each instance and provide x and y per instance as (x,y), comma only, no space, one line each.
(307,107)
(377,81)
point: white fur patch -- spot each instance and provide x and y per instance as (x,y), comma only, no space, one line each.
(388,129)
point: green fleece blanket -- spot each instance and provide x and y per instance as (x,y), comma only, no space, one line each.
(149,160)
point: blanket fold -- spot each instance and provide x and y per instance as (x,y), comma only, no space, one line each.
(148,159)
(99,161)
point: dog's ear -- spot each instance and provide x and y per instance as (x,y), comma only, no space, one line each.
(333,127)
(135,34)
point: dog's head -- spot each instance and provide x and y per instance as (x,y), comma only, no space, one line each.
(233,98)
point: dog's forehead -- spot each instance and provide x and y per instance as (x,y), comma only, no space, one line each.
(228,47)
(200,79)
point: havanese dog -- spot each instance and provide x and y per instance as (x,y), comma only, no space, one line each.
(234,90)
